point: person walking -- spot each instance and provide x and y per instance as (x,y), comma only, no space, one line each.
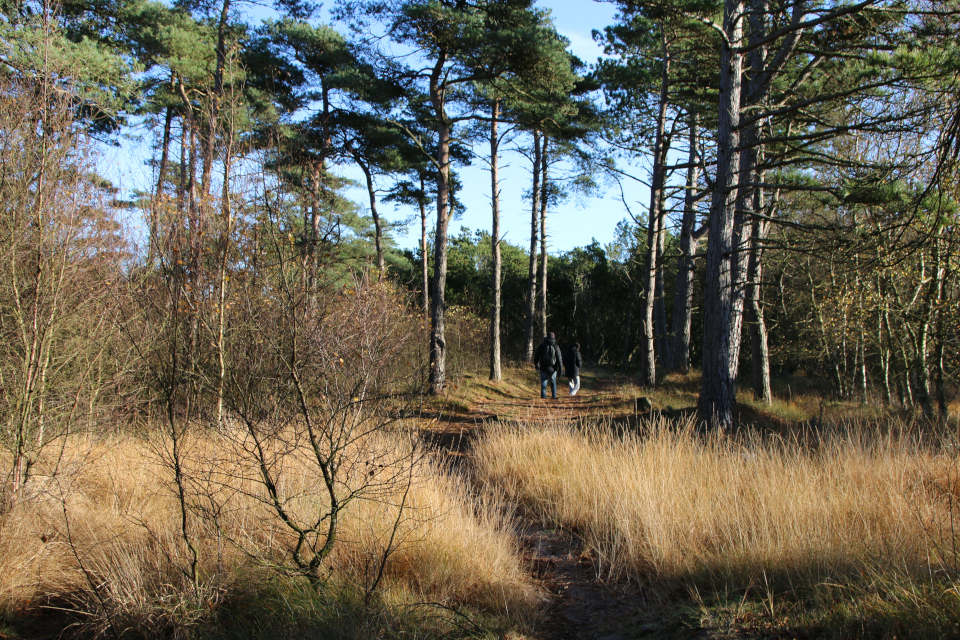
(548,361)
(571,366)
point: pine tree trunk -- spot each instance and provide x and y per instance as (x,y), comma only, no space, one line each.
(528,338)
(740,258)
(718,386)
(922,366)
(941,271)
(377,224)
(651,286)
(883,343)
(659,302)
(319,195)
(761,73)
(588,343)
(542,278)
(196,233)
(689,240)
(210,139)
(423,250)
(628,327)
(922,369)
(154,248)
(654,231)
(182,185)
(759,349)
(438,344)
(907,395)
(495,373)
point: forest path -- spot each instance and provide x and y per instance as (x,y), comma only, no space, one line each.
(583,604)
(466,408)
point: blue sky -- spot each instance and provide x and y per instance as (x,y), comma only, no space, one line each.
(572,224)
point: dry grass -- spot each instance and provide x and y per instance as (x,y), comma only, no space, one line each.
(670,507)
(104,533)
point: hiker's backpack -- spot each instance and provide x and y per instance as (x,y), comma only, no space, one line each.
(548,359)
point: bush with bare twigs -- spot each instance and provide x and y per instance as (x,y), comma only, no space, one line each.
(105,534)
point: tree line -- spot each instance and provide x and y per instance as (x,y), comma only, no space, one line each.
(801,208)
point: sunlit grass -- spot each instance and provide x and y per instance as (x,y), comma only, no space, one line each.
(846,521)
(104,534)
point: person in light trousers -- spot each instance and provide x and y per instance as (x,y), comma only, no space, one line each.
(571,367)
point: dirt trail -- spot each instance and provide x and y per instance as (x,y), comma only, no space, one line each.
(583,604)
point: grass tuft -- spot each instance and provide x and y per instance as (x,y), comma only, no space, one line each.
(102,538)
(856,523)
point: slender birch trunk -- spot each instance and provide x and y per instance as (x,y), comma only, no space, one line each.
(226,240)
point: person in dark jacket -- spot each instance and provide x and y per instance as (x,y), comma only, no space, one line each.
(548,361)
(571,365)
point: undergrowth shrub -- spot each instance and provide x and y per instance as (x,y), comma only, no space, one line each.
(104,534)
(468,343)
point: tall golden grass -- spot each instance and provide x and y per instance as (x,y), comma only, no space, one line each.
(102,531)
(670,506)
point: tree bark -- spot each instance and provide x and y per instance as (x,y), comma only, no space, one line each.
(191,272)
(906,388)
(922,346)
(318,191)
(654,230)
(216,95)
(544,202)
(718,385)
(182,185)
(226,238)
(759,349)
(438,344)
(729,233)
(941,271)
(884,361)
(752,201)
(153,248)
(377,224)
(587,308)
(689,240)
(495,373)
(189,177)
(659,302)
(528,338)
(628,326)
(423,250)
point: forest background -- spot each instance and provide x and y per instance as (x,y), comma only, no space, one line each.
(257,339)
